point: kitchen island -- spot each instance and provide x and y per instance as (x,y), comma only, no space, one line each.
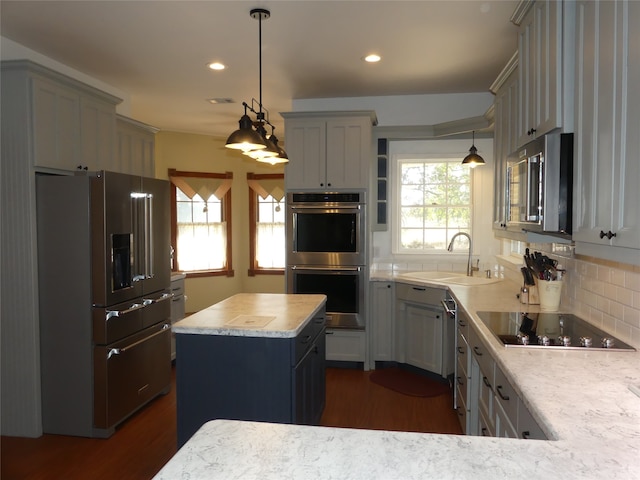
(581,399)
(253,357)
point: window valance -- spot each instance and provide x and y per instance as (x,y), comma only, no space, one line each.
(267,184)
(202,184)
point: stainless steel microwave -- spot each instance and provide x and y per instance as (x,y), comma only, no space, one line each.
(539,185)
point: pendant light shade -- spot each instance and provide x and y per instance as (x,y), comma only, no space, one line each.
(245,138)
(473,159)
(251,137)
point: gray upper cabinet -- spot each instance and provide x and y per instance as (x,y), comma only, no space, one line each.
(328,150)
(504,136)
(56,117)
(135,152)
(544,67)
(72,125)
(606,216)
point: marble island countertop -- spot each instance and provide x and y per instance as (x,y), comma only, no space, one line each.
(581,399)
(254,315)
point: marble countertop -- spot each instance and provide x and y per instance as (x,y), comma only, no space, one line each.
(254,315)
(583,400)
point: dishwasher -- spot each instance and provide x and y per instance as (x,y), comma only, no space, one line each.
(451,310)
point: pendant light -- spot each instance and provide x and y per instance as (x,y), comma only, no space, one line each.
(473,159)
(251,137)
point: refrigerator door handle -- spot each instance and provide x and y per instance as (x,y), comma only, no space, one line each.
(118,351)
(161,298)
(148,226)
(118,313)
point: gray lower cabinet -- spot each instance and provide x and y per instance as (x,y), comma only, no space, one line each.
(486,401)
(266,379)
(425,334)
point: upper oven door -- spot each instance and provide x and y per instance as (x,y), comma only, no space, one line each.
(325,235)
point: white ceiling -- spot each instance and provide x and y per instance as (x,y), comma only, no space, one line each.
(158,51)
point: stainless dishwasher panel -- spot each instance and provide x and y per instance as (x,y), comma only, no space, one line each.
(129,373)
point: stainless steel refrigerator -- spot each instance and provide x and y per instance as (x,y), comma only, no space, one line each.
(104,290)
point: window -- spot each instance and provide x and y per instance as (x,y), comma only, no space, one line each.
(201,222)
(434,202)
(266,224)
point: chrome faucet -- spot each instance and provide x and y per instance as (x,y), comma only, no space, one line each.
(470,269)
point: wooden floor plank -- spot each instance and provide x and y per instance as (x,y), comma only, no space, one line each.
(145,442)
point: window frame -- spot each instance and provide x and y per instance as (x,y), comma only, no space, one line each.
(227,270)
(396,227)
(254,269)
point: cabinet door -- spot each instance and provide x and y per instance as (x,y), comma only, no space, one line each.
(423,347)
(310,384)
(348,152)
(135,149)
(607,173)
(97,133)
(382,326)
(506,108)
(306,147)
(540,56)
(56,125)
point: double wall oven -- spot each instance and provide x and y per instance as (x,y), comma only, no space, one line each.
(326,252)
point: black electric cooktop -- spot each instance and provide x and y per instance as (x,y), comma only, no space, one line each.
(549,330)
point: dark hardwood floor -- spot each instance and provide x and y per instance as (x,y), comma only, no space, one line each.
(145,442)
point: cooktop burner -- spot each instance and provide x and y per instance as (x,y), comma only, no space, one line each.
(549,330)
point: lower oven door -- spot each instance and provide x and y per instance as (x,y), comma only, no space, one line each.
(343,286)
(129,373)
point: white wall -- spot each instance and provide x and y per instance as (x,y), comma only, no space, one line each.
(406,110)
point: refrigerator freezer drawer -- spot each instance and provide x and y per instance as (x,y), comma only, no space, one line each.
(116,322)
(129,373)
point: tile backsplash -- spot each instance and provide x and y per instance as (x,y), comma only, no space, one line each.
(607,296)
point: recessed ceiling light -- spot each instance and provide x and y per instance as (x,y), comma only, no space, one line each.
(216,66)
(372,58)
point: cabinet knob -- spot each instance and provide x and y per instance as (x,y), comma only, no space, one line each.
(609,234)
(531,131)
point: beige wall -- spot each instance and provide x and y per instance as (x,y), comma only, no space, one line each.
(200,153)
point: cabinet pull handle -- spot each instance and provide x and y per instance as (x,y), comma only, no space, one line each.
(419,289)
(461,350)
(486,381)
(461,323)
(459,380)
(485,432)
(500,394)
(306,339)
(609,234)
(526,434)
(477,352)
(460,411)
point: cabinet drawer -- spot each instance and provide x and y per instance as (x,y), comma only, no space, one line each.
(422,295)
(461,410)
(481,353)
(528,428)
(486,401)
(486,427)
(506,396)
(305,338)
(346,346)
(463,325)
(177,287)
(462,353)
(462,384)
